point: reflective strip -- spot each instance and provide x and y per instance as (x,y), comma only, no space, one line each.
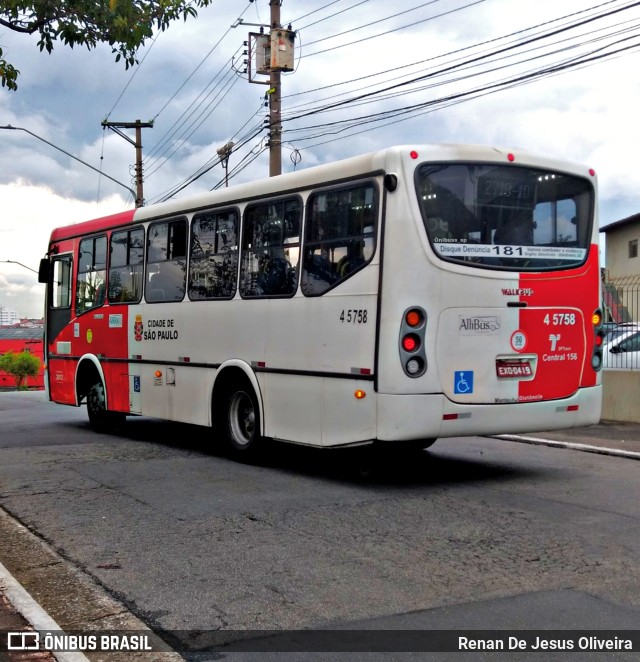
(560,410)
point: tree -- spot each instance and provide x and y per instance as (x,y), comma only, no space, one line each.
(123,24)
(21,366)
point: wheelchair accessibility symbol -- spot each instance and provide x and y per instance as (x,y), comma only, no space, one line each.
(463,382)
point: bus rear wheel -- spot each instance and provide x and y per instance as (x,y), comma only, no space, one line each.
(100,418)
(242,420)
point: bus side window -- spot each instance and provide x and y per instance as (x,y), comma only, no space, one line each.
(92,274)
(126,266)
(213,264)
(271,249)
(166,261)
(339,236)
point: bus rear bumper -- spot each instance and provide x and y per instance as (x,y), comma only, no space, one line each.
(406,417)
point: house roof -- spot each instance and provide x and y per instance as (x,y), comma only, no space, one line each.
(21,333)
(622,223)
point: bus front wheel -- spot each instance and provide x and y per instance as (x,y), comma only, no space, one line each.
(100,418)
(242,420)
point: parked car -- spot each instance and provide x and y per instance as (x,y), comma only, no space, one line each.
(613,330)
(622,351)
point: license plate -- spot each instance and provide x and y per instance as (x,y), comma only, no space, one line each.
(513,369)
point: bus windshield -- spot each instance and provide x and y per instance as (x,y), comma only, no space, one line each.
(506,217)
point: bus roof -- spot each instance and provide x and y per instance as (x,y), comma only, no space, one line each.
(365,164)
(95,225)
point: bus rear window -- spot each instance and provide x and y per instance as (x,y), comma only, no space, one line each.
(506,217)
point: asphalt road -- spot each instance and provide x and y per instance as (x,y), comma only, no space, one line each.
(477,533)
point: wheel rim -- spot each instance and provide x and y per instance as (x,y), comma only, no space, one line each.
(242,418)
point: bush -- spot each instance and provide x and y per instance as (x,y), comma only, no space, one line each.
(21,366)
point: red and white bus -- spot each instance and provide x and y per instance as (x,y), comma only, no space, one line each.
(409,294)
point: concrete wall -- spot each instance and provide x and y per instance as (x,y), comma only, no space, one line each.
(619,264)
(621,395)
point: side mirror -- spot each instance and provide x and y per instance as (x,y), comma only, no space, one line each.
(43,270)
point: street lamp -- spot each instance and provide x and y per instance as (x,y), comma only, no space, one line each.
(19,128)
(20,263)
(224,153)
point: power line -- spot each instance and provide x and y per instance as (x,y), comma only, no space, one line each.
(514,51)
(326,18)
(133,75)
(478,58)
(213,162)
(350,82)
(408,112)
(474,65)
(381,34)
(315,11)
(189,129)
(204,59)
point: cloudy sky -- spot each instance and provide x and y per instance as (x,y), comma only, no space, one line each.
(555,77)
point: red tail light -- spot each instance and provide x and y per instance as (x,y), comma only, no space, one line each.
(412,342)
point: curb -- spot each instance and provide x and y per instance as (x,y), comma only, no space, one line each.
(73,597)
(585,448)
(35,615)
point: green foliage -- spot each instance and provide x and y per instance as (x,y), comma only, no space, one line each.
(123,24)
(8,74)
(21,366)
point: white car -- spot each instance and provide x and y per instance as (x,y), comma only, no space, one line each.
(613,330)
(622,351)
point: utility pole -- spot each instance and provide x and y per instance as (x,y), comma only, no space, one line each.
(273,53)
(275,101)
(138,126)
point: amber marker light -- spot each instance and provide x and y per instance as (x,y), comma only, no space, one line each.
(596,319)
(158,373)
(360,394)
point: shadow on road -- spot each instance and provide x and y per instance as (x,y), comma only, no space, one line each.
(387,466)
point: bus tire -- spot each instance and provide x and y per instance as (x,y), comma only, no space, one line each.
(242,420)
(100,418)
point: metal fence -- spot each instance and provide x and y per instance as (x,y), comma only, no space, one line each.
(621,306)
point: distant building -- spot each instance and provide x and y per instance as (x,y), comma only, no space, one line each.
(19,339)
(8,316)
(622,250)
(621,285)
